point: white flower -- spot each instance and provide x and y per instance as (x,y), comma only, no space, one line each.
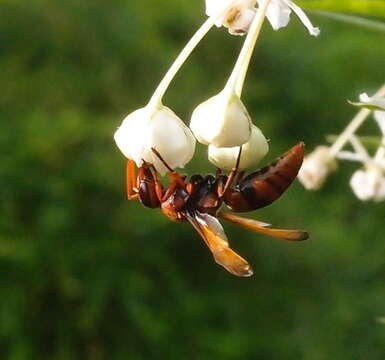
(316,167)
(278,14)
(222,121)
(237,19)
(163,130)
(369,184)
(252,152)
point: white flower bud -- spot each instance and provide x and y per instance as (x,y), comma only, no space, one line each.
(316,167)
(252,152)
(163,130)
(369,184)
(237,19)
(221,121)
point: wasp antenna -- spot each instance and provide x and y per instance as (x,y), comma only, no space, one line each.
(238,158)
(161,159)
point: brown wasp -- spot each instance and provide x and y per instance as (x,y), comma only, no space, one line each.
(198,201)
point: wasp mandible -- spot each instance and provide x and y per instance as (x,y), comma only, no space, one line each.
(199,200)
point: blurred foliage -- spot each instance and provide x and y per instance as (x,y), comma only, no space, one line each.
(360,7)
(87,275)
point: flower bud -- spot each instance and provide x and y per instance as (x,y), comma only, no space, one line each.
(252,152)
(316,167)
(221,121)
(369,184)
(237,19)
(163,130)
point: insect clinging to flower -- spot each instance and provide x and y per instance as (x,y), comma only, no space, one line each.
(198,200)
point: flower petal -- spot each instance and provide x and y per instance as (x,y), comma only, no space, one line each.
(314,31)
(252,152)
(278,14)
(214,7)
(163,130)
(171,138)
(222,121)
(131,136)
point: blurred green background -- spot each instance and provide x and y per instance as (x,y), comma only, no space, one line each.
(86,274)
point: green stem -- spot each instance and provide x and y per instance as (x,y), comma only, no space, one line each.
(156,99)
(237,77)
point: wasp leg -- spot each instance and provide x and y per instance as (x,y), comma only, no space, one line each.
(175,177)
(239,177)
(131,179)
(171,190)
(158,184)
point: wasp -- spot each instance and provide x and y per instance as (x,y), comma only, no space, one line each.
(199,200)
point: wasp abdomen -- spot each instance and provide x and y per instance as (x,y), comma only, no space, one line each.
(266,185)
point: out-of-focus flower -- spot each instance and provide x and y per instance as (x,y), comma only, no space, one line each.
(237,19)
(369,183)
(379,116)
(252,152)
(374,102)
(161,129)
(316,167)
(240,16)
(278,14)
(222,121)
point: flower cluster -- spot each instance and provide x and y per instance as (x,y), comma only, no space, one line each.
(368,182)
(222,122)
(238,19)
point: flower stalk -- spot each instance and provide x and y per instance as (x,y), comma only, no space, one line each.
(354,125)
(238,75)
(156,99)
(229,122)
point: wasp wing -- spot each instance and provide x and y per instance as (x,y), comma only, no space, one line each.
(286,234)
(211,231)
